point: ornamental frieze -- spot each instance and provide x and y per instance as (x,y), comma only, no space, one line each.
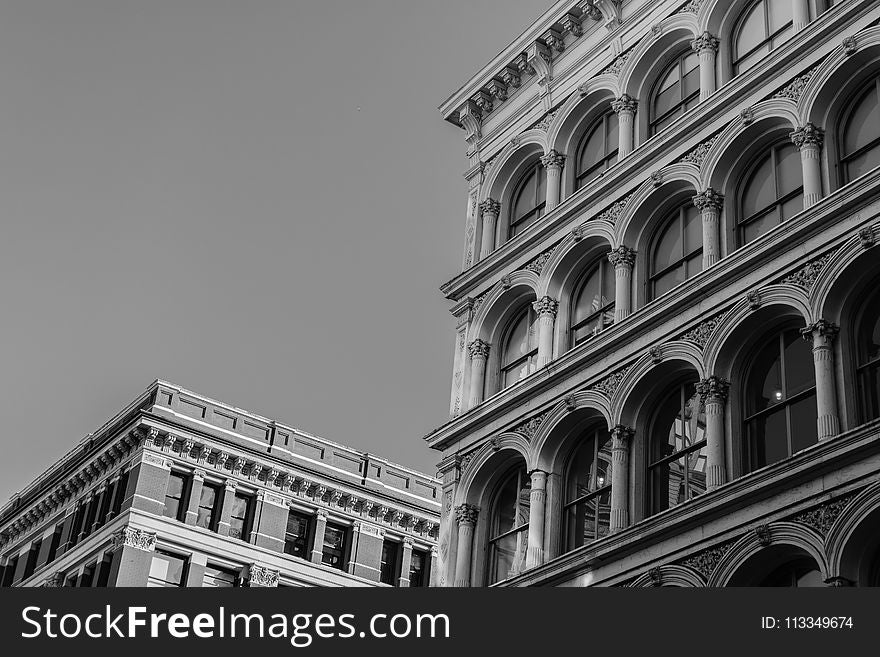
(262,576)
(704,562)
(616,66)
(701,334)
(612,214)
(691,7)
(698,154)
(545,123)
(806,276)
(821,518)
(134,538)
(609,385)
(537,265)
(529,428)
(795,88)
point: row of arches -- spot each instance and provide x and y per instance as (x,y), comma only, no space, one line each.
(772,379)
(674,226)
(596,128)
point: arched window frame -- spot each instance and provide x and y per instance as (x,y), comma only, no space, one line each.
(776,206)
(604,315)
(599,492)
(520,531)
(610,150)
(750,415)
(657,123)
(662,433)
(774,39)
(867,367)
(851,105)
(693,254)
(517,224)
(529,359)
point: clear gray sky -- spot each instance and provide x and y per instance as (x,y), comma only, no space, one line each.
(255,199)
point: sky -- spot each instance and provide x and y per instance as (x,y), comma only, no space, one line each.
(256,200)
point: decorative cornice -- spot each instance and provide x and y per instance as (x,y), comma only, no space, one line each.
(134,538)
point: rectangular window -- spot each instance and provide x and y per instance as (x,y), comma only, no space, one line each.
(418,569)
(71,579)
(78,519)
(88,576)
(240,517)
(217,577)
(208,505)
(104,571)
(33,553)
(89,518)
(175,495)
(167,570)
(56,542)
(9,572)
(119,497)
(333,553)
(296,538)
(388,565)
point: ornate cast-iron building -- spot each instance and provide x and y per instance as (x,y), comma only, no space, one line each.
(181,490)
(667,356)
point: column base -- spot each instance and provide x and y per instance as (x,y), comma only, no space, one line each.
(828,426)
(534,557)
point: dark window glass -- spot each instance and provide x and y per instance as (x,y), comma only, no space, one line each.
(9,571)
(763,26)
(296,538)
(509,526)
(677,91)
(772,193)
(78,519)
(588,489)
(333,553)
(33,553)
(56,542)
(418,569)
(388,564)
(678,250)
(217,577)
(592,307)
(529,199)
(868,350)
(597,150)
(798,573)
(780,398)
(860,138)
(209,500)
(119,498)
(88,576)
(677,457)
(166,570)
(174,496)
(104,571)
(240,517)
(520,348)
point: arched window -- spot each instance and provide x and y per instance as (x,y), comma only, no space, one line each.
(860,136)
(677,253)
(801,572)
(509,526)
(763,26)
(529,199)
(677,457)
(598,149)
(588,489)
(520,353)
(780,400)
(868,354)
(677,90)
(772,192)
(592,307)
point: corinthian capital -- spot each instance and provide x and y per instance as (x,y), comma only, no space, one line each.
(478,349)
(809,135)
(713,389)
(546,306)
(466,514)
(553,159)
(490,206)
(705,42)
(708,200)
(621,436)
(622,256)
(625,104)
(820,332)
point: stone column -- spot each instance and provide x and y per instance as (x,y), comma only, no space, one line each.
(318,544)
(623,258)
(466,518)
(625,106)
(479,352)
(809,142)
(709,203)
(706,47)
(489,210)
(195,571)
(132,557)
(553,163)
(800,11)
(257,576)
(713,393)
(226,509)
(537,499)
(434,574)
(621,437)
(545,309)
(405,562)
(195,495)
(822,335)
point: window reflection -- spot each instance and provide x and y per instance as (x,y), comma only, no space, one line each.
(588,490)
(597,150)
(677,91)
(860,141)
(763,26)
(509,525)
(520,352)
(773,192)
(529,199)
(678,250)
(593,304)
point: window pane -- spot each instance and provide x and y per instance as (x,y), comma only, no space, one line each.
(334,543)
(669,248)
(525,198)
(800,374)
(863,163)
(518,340)
(769,438)
(613,138)
(693,230)
(760,191)
(748,62)
(751,31)
(388,564)
(803,424)
(665,101)
(417,569)
(503,553)
(765,385)
(789,172)
(792,207)
(664,283)
(757,227)
(216,577)
(863,126)
(207,504)
(297,535)
(691,81)
(166,570)
(593,149)
(780,13)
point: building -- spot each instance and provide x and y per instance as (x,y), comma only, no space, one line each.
(667,350)
(181,490)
